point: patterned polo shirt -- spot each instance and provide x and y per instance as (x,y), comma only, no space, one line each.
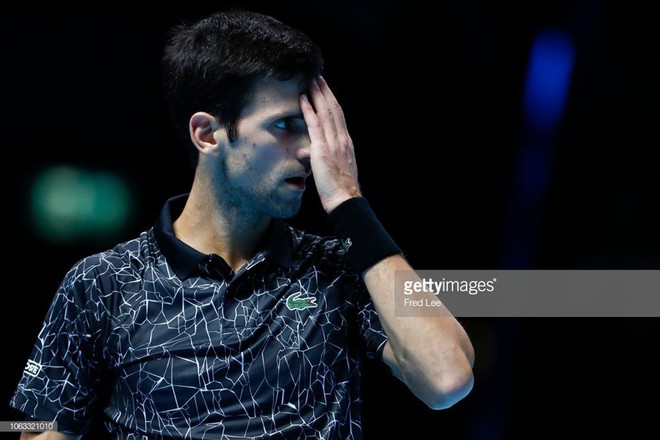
(167,342)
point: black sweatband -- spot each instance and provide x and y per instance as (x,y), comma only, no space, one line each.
(365,240)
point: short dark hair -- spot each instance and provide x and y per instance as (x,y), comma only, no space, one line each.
(211,65)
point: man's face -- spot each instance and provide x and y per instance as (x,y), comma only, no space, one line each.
(264,170)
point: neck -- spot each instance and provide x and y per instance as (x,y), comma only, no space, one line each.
(209,227)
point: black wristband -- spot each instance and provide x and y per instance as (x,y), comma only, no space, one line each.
(364,238)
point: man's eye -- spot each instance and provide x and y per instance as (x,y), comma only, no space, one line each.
(291,124)
(284,124)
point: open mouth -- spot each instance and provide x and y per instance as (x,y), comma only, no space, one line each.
(296,182)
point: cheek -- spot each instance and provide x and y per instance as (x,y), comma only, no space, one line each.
(264,157)
(256,163)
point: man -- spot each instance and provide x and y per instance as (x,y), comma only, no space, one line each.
(222,321)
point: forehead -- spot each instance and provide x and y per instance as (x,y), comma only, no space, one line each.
(270,96)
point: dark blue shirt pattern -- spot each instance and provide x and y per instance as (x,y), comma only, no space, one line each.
(170,343)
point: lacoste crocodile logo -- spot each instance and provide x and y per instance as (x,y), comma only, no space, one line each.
(299,302)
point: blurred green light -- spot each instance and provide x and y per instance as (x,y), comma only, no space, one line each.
(71,204)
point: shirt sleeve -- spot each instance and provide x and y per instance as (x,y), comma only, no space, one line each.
(371,328)
(60,376)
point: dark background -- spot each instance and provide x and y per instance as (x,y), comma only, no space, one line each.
(433,95)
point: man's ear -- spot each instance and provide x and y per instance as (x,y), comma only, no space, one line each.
(202,128)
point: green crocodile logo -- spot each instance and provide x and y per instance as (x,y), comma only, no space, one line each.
(298,302)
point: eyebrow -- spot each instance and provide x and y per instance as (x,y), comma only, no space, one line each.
(287,115)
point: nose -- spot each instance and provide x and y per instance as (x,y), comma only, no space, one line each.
(302,149)
(302,152)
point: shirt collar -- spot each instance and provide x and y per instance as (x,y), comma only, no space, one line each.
(184,260)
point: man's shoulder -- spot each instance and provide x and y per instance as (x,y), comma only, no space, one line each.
(304,240)
(317,248)
(122,258)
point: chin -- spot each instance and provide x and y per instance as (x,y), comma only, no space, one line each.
(286,215)
(286,210)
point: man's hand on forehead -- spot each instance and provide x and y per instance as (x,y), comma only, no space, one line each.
(331,151)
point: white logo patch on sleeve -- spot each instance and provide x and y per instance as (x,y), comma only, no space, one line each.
(32,368)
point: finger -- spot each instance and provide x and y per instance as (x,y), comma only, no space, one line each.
(339,119)
(324,113)
(333,104)
(314,126)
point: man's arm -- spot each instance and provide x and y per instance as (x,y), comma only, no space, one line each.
(432,355)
